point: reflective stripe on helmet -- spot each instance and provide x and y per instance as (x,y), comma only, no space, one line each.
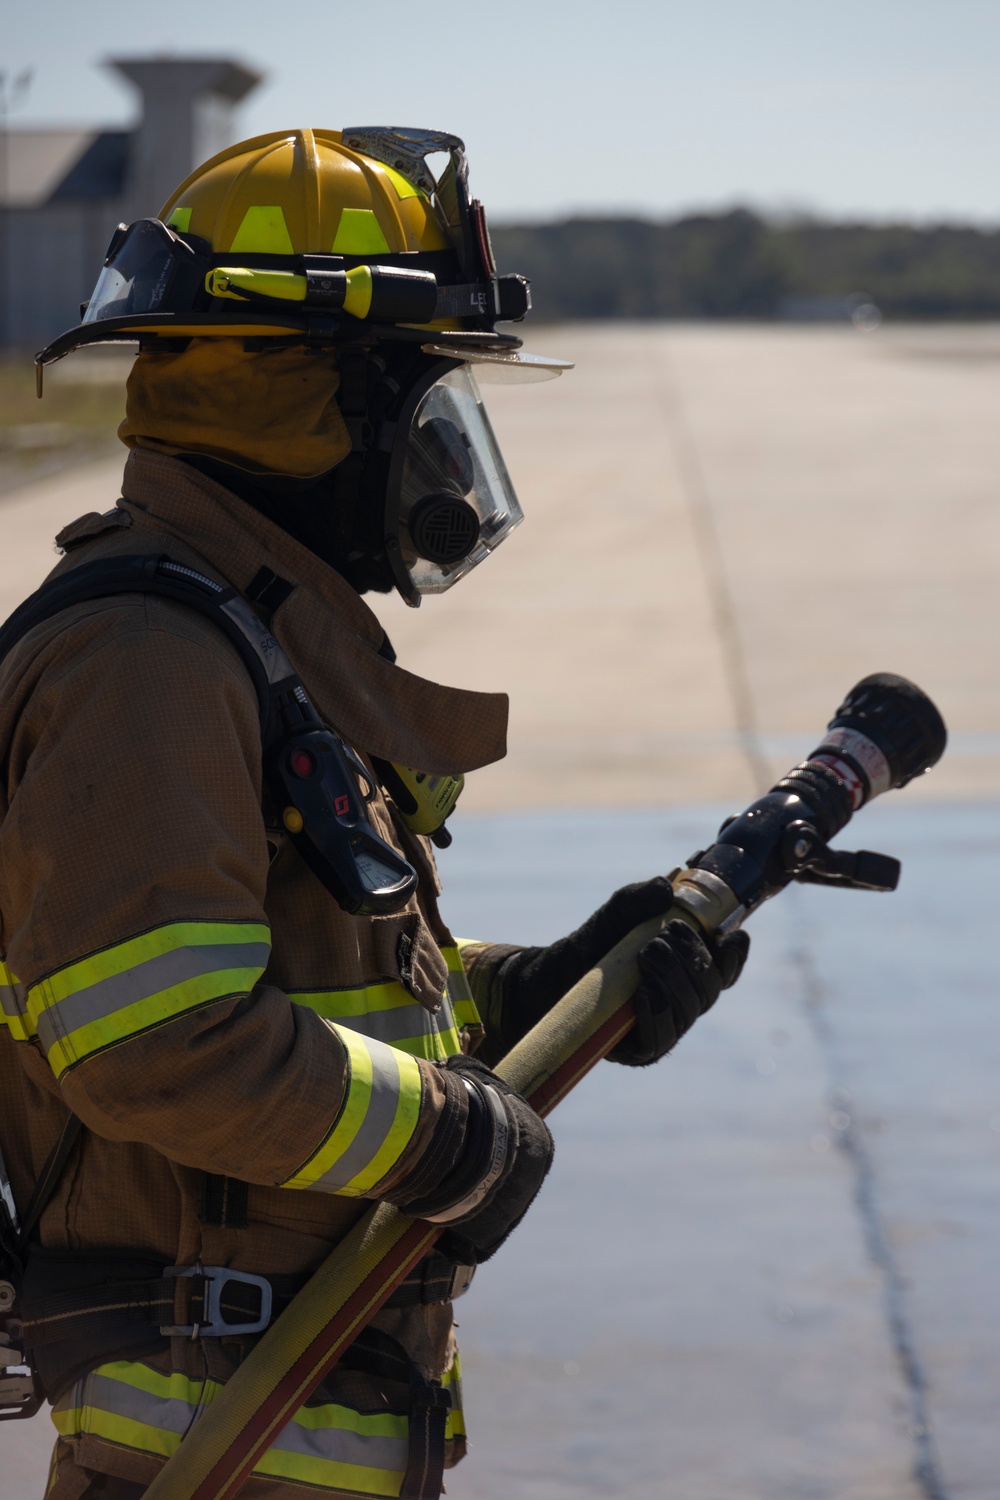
(263,230)
(359,233)
(375,1124)
(122,991)
(332,1447)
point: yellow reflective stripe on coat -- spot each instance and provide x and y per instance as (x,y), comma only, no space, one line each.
(462,1004)
(116,994)
(329,1446)
(387,1013)
(14,1005)
(454,1426)
(376,1121)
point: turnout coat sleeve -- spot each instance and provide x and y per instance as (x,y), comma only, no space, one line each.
(133,877)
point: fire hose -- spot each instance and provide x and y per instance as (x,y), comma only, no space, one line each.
(884,734)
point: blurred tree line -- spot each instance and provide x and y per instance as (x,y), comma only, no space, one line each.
(739,265)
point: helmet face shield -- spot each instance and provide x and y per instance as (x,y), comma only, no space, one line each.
(145,269)
(450,500)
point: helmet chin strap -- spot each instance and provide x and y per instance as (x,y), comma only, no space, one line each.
(356,370)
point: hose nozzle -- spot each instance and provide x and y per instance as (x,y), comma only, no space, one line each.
(884,734)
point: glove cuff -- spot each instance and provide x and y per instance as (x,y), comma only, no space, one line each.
(498,1138)
(464,1178)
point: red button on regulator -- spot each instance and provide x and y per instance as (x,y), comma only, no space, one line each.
(302,762)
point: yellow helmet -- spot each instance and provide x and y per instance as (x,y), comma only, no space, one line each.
(305,192)
(324,235)
(344,240)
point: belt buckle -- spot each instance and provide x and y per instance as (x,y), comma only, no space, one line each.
(215,1326)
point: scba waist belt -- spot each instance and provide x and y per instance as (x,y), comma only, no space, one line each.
(81,1311)
(189,1301)
(70,1297)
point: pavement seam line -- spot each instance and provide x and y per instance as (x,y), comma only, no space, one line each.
(926,1462)
(723,605)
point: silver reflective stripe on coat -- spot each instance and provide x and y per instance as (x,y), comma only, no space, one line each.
(14,1005)
(176,966)
(325,1447)
(374,1129)
(338,1444)
(399,1024)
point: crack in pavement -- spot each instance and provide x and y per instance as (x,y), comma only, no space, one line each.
(691,478)
(927,1465)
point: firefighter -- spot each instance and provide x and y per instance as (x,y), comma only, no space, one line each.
(234,1014)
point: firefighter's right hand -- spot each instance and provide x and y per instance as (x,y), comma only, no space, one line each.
(487,1184)
(682,973)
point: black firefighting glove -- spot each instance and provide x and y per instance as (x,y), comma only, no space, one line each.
(504,1152)
(682,975)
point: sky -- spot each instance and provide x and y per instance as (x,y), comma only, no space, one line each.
(884,110)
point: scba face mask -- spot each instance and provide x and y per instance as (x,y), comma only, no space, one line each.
(449,501)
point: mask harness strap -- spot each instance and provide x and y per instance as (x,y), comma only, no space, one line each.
(352,398)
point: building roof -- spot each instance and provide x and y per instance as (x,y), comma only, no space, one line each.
(195,75)
(38,161)
(100,172)
(88,164)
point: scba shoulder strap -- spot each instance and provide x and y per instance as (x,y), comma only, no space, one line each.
(310,772)
(313,777)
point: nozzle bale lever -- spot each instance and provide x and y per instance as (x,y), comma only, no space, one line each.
(885,733)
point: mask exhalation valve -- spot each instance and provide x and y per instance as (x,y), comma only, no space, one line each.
(443,528)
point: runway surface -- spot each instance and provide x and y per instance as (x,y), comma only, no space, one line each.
(766,1269)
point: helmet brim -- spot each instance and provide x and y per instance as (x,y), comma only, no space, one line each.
(502,366)
(310,329)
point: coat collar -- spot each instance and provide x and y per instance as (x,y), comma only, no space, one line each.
(325,628)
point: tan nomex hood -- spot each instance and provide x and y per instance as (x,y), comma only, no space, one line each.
(327,631)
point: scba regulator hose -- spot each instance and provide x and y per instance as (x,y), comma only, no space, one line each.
(884,734)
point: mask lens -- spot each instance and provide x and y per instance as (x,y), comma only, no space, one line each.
(456,499)
(443,450)
(139,274)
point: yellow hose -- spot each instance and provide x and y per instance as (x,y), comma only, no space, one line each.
(366,1267)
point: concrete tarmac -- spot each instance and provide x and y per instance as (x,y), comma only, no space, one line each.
(725,528)
(765,1269)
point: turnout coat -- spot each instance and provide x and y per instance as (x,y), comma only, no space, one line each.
(251,1064)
